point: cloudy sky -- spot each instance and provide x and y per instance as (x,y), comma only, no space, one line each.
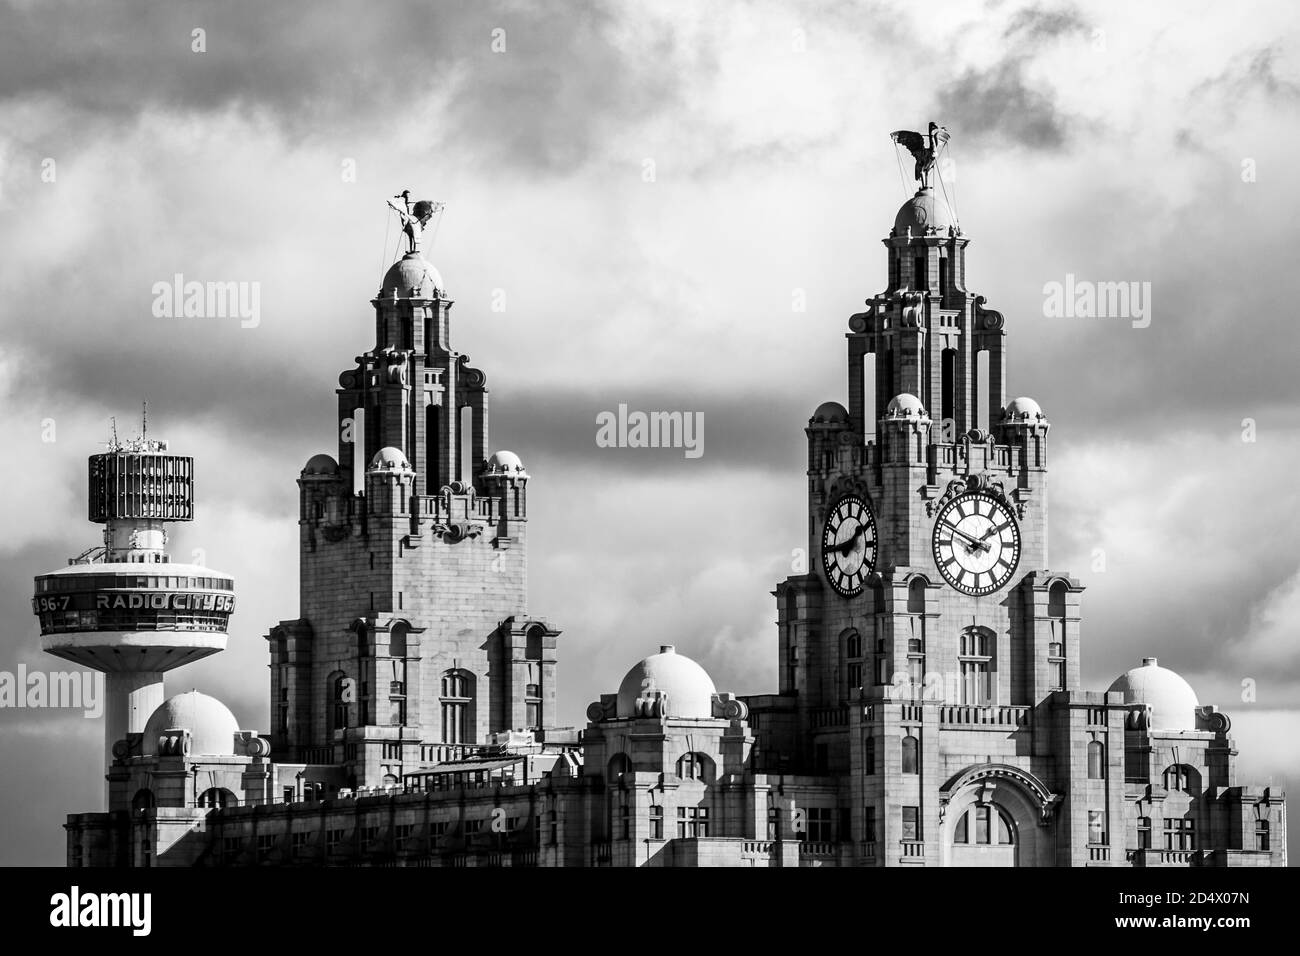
(1118,142)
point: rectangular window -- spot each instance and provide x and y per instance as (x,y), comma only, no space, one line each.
(656,822)
(1144,833)
(869,825)
(692,822)
(1096,826)
(1261,835)
(911,823)
(774,823)
(819,824)
(983,824)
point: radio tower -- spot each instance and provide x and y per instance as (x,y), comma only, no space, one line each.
(125,608)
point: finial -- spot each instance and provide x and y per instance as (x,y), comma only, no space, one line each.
(414,218)
(924,148)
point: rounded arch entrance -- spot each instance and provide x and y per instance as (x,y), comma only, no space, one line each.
(997,815)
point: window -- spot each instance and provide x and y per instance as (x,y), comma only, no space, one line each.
(1144,833)
(855,675)
(457,697)
(1261,835)
(624,816)
(773,822)
(692,822)
(919,270)
(265,843)
(1096,826)
(1056,665)
(911,823)
(976,663)
(882,664)
(819,825)
(983,825)
(1182,777)
(299,842)
(217,798)
(694,766)
(1180,834)
(396,703)
(533,705)
(656,822)
(1096,760)
(869,825)
(402,834)
(910,758)
(333,840)
(869,756)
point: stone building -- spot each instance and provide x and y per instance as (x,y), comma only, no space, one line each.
(929,710)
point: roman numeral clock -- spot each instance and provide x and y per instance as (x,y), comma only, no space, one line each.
(976,542)
(849,545)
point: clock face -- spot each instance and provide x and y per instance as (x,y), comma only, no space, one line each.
(976,543)
(849,545)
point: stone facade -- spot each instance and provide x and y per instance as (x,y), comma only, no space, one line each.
(929,710)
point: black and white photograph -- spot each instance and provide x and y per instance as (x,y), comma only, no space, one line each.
(593,435)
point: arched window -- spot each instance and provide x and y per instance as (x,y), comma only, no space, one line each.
(1180,776)
(916,638)
(948,400)
(911,757)
(852,662)
(217,798)
(976,661)
(364,668)
(869,755)
(694,766)
(143,800)
(1096,760)
(619,764)
(457,699)
(984,824)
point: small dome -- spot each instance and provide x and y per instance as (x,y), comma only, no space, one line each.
(411,277)
(1171,699)
(1023,410)
(504,463)
(924,214)
(321,465)
(830,413)
(211,725)
(905,406)
(389,459)
(686,685)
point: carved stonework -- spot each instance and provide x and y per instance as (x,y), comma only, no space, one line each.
(981,483)
(989,319)
(467,376)
(454,531)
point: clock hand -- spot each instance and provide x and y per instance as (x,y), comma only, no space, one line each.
(845,546)
(974,541)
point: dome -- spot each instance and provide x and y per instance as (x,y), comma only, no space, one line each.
(211,725)
(411,277)
(924,214)
(321,465)
(686,685)
(830,413)
(1171,699)
(1023,411)
(905,406)
(389,459)
(504,463)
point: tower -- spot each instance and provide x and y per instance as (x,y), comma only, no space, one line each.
(125,608)
(414,641)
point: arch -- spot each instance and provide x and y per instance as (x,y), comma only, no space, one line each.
(397,635)
(338,692)
(1019,796)
(456,697)
(917,585)
(533,642)
(1096,760)
(911,754)
(618,765)
(144,799)
(217,798)
(1056,598)
(695,766)
(1182,777)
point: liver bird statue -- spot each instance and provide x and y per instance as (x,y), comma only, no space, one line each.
(924,148)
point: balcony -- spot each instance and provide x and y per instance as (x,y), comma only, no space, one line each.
(966,715)
(1149,857)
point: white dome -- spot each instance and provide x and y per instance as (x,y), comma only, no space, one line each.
(504,463)
(411,276)
(684,684)
(1023,410)
(905,406)
(389,459)
(211,725)
(923,214)
(1171,699)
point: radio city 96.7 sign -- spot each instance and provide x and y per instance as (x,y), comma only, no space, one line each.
(135,601)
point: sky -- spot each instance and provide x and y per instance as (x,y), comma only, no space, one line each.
(639,198)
